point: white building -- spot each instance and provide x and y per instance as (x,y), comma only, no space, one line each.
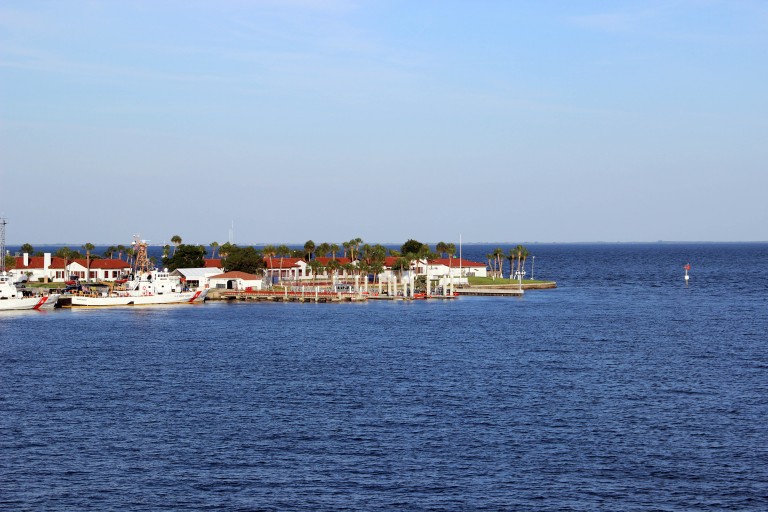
(197,277)
(456,267)
(235,280)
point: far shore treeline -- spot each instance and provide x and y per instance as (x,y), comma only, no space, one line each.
(368,258)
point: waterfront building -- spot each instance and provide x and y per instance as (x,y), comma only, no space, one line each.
(236,280)
(456,267)
(281,269)
(197,277)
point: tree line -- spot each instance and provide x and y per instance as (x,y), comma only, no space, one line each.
(369,258)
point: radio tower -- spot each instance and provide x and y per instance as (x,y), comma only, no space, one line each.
(142,261)
(2,244)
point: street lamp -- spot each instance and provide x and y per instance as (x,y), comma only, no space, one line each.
(533,263)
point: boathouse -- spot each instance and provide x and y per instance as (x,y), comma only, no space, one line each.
(236,280)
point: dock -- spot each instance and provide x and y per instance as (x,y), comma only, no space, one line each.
(309,296)
(490,291)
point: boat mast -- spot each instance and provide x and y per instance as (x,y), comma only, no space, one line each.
(2,244)
(142,261)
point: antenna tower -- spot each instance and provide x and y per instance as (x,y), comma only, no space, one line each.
(142,260)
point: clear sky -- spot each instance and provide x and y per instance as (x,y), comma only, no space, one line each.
(505,121)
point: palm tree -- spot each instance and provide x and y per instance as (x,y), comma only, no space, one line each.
(346,246)
(315,266)
(88,248)
(511,256)
(110,252)
(166,250)
(498,254)
(490,264)
(214,246)
(176,241)
(451,250)
(334,249)
(309,248)
(120,251)
(441,248)
(282,251)
(333,267)
(521,258)
(321,251)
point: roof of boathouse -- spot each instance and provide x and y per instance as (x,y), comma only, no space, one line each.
(196,273)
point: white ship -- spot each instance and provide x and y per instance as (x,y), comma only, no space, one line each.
(12,299)
(146,287)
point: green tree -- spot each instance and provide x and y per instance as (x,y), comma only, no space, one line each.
(309,249)
(120,250)
(322,250)
(441,248)
(315,266)
(185,256)
(176,241)
(110,252)
(225,249)
(214,246)
(27,248)
(244,259)
(10,262)
(334,248)
(524,255)
(283,251)
(411,246)
(333,267)
(401,264)
(498,255)
(88,248)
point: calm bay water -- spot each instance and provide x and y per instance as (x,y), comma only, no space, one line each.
(624,389)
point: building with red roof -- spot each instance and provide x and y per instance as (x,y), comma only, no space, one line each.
(236,280)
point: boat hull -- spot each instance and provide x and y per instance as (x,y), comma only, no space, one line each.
(139,299)
(21,303)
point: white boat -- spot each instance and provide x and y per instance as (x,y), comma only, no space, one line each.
(155,287)
(13,299)
(146,287)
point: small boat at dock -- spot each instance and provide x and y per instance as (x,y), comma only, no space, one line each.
(14,299)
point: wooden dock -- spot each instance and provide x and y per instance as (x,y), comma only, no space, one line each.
(308,296)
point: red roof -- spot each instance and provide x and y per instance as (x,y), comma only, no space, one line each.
(105,263)
(212,263)
(390,260)
(275,262)
(456,262)
(236,274)
(38,262)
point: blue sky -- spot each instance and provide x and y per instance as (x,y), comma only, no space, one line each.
(503,121)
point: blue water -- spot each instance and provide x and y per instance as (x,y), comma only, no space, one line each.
(623,389)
